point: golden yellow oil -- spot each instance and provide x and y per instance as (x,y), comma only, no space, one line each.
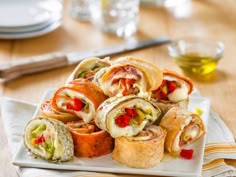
(196,64)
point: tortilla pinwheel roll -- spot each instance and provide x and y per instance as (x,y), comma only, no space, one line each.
(47,111)
(126,116)
(80,97)
(89,140)
(182,128)
(144,150)
(88,68)
(174,91)
(129,75)
(48,139)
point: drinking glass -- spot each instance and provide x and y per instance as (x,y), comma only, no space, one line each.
(178,8)
(82,9)
(120,17)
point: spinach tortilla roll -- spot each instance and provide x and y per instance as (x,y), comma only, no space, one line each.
(48,139)
(126,116)
(129,75)
(89,140)
(47,111)
(144,150)
(88,68)
(182,128)
(174,91)
(80,97)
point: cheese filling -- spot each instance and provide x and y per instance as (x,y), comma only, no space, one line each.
(179,94)
(86,113)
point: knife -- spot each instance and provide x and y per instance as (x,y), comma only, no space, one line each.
(15,69)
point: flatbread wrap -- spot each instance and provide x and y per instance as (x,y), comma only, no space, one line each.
(182,128)
(80,97)
(126,116)
(47,111)
(89,140)
(174,91)
(129,75)
(88,68)
(48,139)
(144,150)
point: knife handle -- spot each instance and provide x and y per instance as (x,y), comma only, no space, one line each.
(32,65)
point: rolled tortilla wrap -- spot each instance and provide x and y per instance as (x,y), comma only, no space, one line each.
(129,75)
(88,68)
(89,140)
(48,139)
(182,128)
(174,91)
(144,150)
(126,116)
(47,111)
(80,97)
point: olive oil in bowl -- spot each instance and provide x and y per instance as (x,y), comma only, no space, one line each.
(197,64)
(196,56)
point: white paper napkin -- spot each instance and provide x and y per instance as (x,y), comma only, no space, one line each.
(220,143)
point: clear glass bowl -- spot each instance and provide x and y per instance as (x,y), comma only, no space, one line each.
(196,56)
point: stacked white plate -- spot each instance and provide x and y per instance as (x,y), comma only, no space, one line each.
(29,18)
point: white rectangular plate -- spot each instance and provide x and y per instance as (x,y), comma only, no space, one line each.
(168,167)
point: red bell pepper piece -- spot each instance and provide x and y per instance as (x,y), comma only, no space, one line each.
(123,120)
(131,112)
(171,86)
(39,140)
(186,153)
(76,106)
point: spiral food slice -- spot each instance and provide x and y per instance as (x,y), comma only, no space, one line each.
(89,140)
(144,150)
(126,116)
(48,139)
(174,91)
(80,97)
(88,68)
(182,128)
(129,75)
(47,111)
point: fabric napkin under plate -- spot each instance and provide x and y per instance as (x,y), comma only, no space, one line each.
(220,143)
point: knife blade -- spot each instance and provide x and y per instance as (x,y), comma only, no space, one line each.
(15,69)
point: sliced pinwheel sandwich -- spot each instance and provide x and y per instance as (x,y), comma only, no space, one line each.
(182,128)
(48,139)
(47,111)
(174,91)
(80,97)
(88,68)
(126,116)
(145,150)
(129,75)
(89,140)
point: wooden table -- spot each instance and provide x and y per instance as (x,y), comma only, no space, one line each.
(209,18)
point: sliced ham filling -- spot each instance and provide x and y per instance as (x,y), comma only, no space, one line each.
(82,127)
(149,133)
(190,132)
(124,80)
